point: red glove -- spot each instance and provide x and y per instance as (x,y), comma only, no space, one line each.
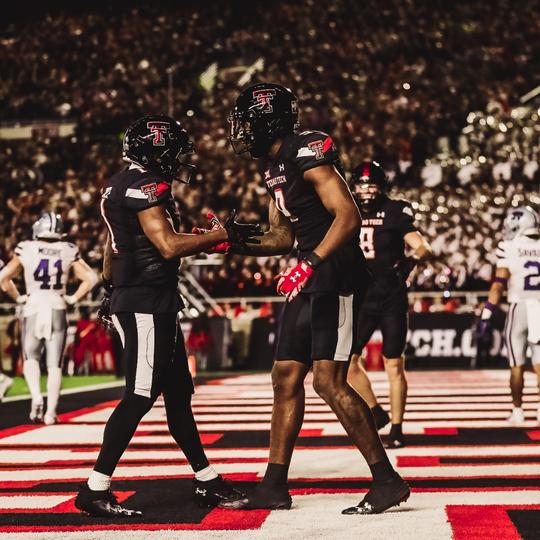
(293,280)
(223,247)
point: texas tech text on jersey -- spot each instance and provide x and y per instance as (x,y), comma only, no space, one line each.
(298,200)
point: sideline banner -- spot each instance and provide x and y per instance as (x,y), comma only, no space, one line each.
(448,340)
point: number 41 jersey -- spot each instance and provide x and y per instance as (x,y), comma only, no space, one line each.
(521,257)
(46,266)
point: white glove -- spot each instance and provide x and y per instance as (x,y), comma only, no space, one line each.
(21,299)
(70,299)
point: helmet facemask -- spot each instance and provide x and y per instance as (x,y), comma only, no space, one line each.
(178,167)
(522,221)
(251,132)
(262,114)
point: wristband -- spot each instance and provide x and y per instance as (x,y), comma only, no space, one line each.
(487,312)
(498,279)
(313,260)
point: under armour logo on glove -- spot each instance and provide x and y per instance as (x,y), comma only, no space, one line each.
(223,247)
(293,280)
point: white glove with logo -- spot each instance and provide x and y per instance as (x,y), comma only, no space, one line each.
(21,299)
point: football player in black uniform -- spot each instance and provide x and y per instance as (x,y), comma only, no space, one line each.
(309,202)
(141,264)
(387,228)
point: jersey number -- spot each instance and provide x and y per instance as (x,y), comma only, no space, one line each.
(532,279)
(366,242)
(42,274)
(280,202)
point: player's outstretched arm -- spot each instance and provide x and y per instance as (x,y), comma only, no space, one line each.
(421,252)
(419,244)
(278,240)
(171,244)
(88,279)
(7,274)
(337,199)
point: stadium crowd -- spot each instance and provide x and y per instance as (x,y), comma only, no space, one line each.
(423,89)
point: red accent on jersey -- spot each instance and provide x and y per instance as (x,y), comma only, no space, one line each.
(327,144)
(162,187)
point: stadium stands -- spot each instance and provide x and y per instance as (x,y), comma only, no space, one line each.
(435,125)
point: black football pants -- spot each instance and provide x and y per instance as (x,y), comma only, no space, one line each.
(155,358)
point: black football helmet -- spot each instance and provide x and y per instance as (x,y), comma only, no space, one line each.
(369,182)
(159,144)
(262,113)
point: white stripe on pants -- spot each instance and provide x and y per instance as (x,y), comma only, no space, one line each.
(145,354)
(345,329)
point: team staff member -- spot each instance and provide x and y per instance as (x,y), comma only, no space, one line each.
(141,262)
(310,203)
(387,230)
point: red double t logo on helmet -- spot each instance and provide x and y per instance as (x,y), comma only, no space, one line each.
(264,99)
(158,129)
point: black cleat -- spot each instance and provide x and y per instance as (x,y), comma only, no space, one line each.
(262,497)
(213,492)
(382,496)
(102,504)
(381,417)
(395,441)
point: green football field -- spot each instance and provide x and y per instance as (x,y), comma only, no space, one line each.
(19,385)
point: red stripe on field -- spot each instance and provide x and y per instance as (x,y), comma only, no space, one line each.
(69,463)
(206,438)
(490,460)
(310,433)
(20,484)
(17,430)
(67,417)
(217,519)
(479,522)
(418,461)
(440,430)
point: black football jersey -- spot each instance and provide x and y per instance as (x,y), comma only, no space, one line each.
(381,238)
(143,281)
(298,200)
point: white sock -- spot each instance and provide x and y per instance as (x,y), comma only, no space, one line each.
(98,481)
(206,474)
(32,373)
(54,382)
(518,409)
